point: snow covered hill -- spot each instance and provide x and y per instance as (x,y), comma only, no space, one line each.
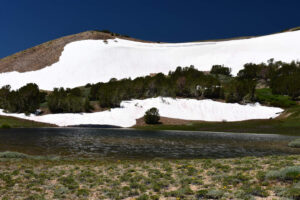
(189,109)
(91,61)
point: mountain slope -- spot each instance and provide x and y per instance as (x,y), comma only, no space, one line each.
(46,54)
(91,61)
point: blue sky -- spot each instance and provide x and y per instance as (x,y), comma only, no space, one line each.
(26,23)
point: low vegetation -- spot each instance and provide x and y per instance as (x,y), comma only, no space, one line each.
(295,143)
(13,122)
(266,97)
(112,33)
(29,177)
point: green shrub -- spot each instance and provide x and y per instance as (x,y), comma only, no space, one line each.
(9,154)
(287,173)
(69,182)
(214,194)
(5,126)
(295,143)
(266,96)
(152,116)
(60,192)
(143,197)
(83,192)
(201,193)
(292,192)
(255,191)
(182,192)
(210,194)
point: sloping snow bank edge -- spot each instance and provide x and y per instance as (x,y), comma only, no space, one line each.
(188,109)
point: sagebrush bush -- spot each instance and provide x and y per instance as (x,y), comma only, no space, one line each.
(287,173)
(295,143)
(214,194)
(292,192)
(9,154)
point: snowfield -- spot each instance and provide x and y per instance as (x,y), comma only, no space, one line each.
(92,61)
(189,109)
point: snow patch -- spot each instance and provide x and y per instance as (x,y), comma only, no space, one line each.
(92,61)
(188,109)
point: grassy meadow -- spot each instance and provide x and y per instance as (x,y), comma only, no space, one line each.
(28,177)
(13,122)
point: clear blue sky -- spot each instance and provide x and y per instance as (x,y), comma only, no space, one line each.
(26,23)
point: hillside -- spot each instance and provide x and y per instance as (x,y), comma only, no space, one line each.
(93,56)
(46,54)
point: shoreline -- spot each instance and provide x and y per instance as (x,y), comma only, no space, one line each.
(152,128)
(191,126)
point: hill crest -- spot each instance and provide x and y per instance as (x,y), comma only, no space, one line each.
(45,54)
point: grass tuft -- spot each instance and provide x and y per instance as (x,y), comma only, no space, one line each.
(295,143)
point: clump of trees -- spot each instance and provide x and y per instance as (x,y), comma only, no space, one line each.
(220,69)
(188,82)
(282,78)
(152,116)
(239,90)
(68,101)
(183,82)
(25,100)
(285,79)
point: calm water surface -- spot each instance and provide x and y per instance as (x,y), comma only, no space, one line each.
(131,144)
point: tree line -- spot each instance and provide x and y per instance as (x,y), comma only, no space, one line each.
(282,78)
(27,99)
(186,82)
(68,101)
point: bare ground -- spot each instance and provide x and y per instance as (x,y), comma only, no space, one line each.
(167,121)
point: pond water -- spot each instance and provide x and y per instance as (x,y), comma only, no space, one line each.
(138,144)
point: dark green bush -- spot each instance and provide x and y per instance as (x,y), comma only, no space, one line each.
(220,69)
(295,143)
(5,126)
(152,116)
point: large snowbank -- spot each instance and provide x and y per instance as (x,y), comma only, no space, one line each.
(189,109)
(91,61)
